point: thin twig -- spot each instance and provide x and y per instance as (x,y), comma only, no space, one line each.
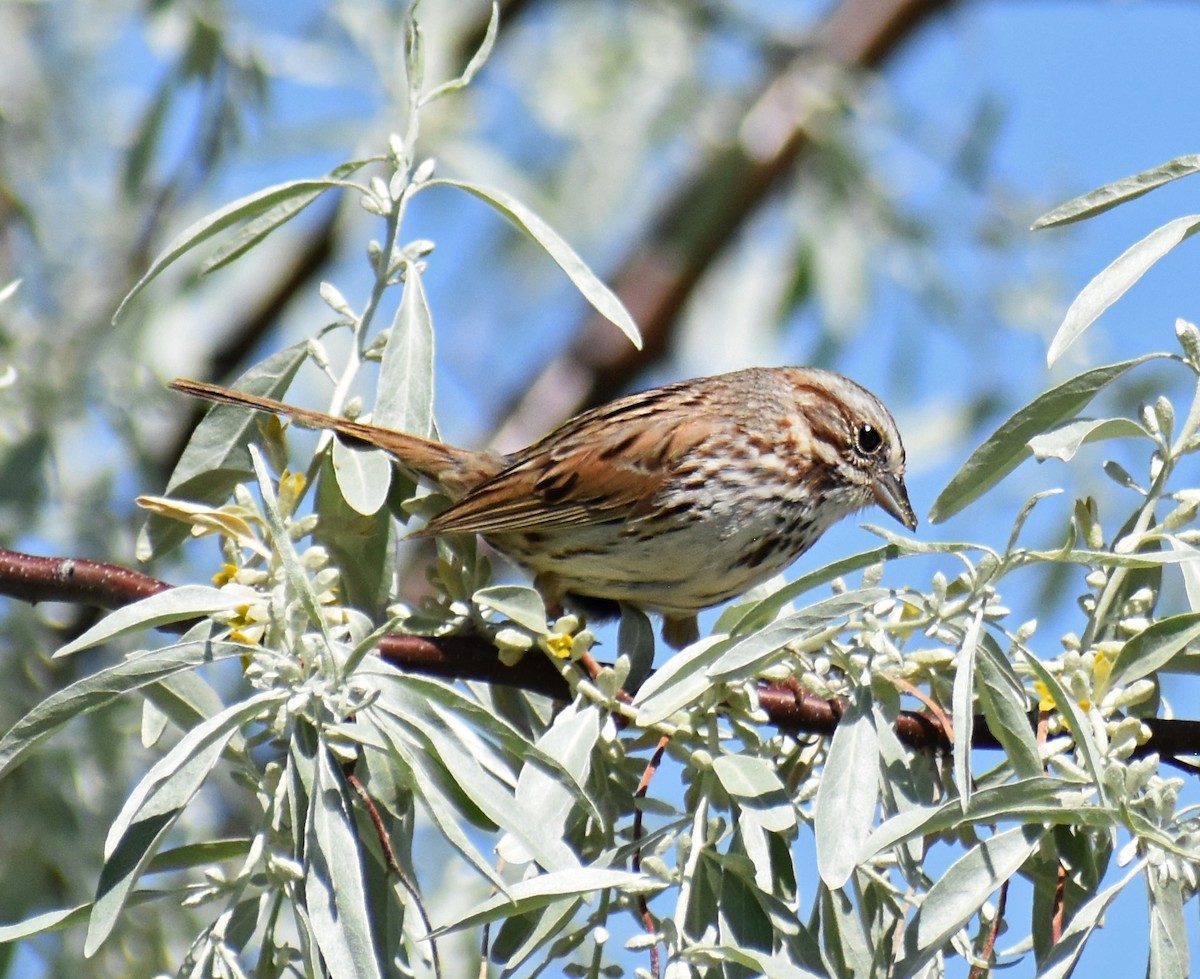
(393,865)
(643,906)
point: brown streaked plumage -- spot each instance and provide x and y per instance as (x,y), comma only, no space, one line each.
(671,500)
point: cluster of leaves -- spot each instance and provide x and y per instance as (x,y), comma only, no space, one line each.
(359,776)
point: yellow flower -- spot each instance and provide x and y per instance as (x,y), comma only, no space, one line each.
(559,645)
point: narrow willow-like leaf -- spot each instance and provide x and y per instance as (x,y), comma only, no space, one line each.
(185,699)
(478,59)
(43,923)
(758,790)
(243,209)
(1005,707)
(405,390)
(848,793)
(963,708)
(180,604)
(102,688)
(845,944)
(154,806)
(1064,956)
(1039,799)
(199,855)
(256,231)
(754,653)
(679,681)
(1110,195)
(363,548)
(570,740)
(495,800)
(767,609)
(1168,929)
(1077,722)
(1152,649)
(1008,446)
(537,892)
(602,299)
(215,459)
(1108,559)
(961,891)
(1065,440)
(427,778)
(334,889)
(756,961)
(1115,280)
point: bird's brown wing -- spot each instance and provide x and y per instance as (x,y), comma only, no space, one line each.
(606,464)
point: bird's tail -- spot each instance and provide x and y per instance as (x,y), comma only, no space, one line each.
(455,470)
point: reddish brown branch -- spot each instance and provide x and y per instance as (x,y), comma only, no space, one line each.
(643,906)
(33,579)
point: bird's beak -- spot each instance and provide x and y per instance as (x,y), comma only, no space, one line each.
(890,493)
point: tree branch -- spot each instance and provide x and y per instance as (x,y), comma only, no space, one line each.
(34,579)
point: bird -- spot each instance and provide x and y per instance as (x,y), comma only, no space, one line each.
(671,500)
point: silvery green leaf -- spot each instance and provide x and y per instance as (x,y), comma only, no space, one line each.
(334,888)
(362,548)
(570,741)
(100,689)
(1039,799)
(1065,440)
(767,609)
(963,708)
(1008,446)
(754,653)
(428,778)
(520,603)
(1076,721)
(185,698)
(759,792)
(154,806)
(215,459)
(679,681)
(43,923)
(1110,195)
(405,391)
(602,299)
(1064,956)
(364,477)
(849,792)
(479,784)
(1005,706)
(1190,569)
(180,604)
(1152,649)
(845,944)
(1169,955)
(1114,281)
(478,59)
(959,893)
(537,892)
(203,854)
(245,208)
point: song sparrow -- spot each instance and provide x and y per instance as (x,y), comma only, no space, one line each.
(671,500)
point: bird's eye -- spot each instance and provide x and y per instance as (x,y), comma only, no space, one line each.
(867,439)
